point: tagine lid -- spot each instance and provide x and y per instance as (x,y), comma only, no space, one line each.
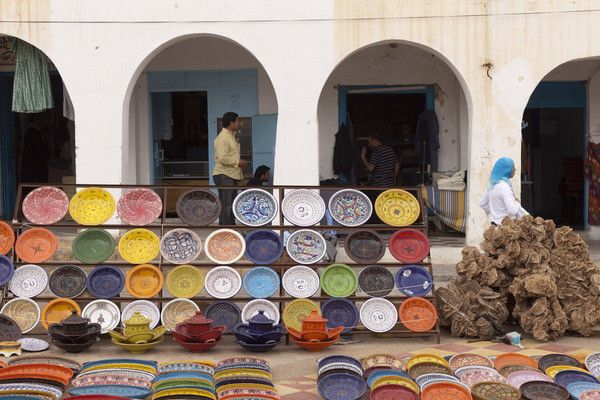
(75,320)
(198,319)
(137,319)
(314,316)
(260,319)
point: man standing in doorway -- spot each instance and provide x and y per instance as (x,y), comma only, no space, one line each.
(228,165)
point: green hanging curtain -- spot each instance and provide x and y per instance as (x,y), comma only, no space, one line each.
(32,91)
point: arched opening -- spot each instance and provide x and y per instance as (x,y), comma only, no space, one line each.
(176,107)
(415,102)
(560,119)
(37,122)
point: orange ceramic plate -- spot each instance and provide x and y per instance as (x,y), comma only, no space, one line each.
(39,371)
(418,314)
(36,245)
(7,238)
(514,359)
(57,310)
(144,281)
(445,391)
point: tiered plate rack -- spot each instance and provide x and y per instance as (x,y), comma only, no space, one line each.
(164,224)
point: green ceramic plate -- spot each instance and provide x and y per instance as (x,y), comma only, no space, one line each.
(339,280)
(183,382)
(93,246)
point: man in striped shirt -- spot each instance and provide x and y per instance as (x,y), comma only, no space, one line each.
(383,165)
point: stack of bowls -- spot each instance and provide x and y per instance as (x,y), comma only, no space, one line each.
(315,336)
(340,377)
(137,336)
(129,378)
(194,377)
(197,334)
(580,382)
(74,334)
(260,334)
(39,380)
(244,377)
(387,378)
(426,363)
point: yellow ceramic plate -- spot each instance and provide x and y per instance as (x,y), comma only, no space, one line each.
(552,371)
(223,388)
(396,380)
(177,311)
(397,207)
(185,281)
(92,206)
(139,246)
(184,392)
(57,310)
(138,348)
(202,362)
(228,373)
(144,281)
(425,357)
(137,367)
(297,310)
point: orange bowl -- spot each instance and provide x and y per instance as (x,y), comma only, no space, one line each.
(418,314)
(36,245)
(7,238)
(313,346)
(144,281)
(57,310)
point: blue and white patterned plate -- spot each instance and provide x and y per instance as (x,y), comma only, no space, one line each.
(350,207)
(180,246)
(132,392)
(51,390)
(414,280)
(577,388)
(261,282)
(255,207)
(306,246)
(303,207)
(185,367)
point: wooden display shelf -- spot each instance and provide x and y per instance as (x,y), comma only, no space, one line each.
(393,299)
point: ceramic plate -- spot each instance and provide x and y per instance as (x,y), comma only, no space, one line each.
(53,360)
(340,312)
(255,207)
(339,280)
(9,330)
(414,280)
(409,245)
(253,307)
(57,310)
(198,207)
(469,359)
(518,378)
(139,246)
(397,207)
(224,246)
(376,281)
(342,386)
(300,281)
(263,247)
(224,313)
(105,281)
(45,205)
(177,311)
(591,360)
(7,238)
(185,281)
(418,314)
(103,312)
(295,311)
(550,360)
(67,281)
(7,270)
(306,246)
(144,281)
(146,308)
(131,392)
(93,246)
(223,282)
(92,206)
(25,312)
(28,281)
(139,207)
(180,246)
(365,247)
(350,207)
(53,391)
(303,207)
(378,315)
(36,245)
(261,282)
(576,389)
(33,344)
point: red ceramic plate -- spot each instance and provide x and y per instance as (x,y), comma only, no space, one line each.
(418,314)
(7,238)
(393,392)
(139,207)
(45,205)
(409,245)
(36,245)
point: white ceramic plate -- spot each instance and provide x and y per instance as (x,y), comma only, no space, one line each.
(306,246)
(223,282)
(301,281)
(591,360)
(378,315)
(33,344)
(28,281)
(146,308)
(253,307)
(225,246)
(255,207)
(176,311)
(103,312)
(303,207)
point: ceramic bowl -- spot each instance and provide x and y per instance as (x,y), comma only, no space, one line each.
(74,347)
(198,347)
(258,348)
(136,348)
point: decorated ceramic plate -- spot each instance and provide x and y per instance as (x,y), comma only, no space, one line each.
(550,360)
(139,246)
(397,207)
(576,389)
(93,246)
(36,245)
(185,281)
(9,330)
(67,281)
(132,392)
(7,238)
(376,281)
(139,207)
(146,308)
(198,207)
(339,280)
(92,206)
(469,359)
(45,205)
(446,390)
(177,311)
(414,280)
(378,315)
(33,345)
(57,310)
(303,207)
(350,207)
(223,282)
(105,281)
(25,312)
(255,207)
(263,247)
(144,281)
(180,246)
(418,314)
(340,312)
(306,246)
(342,386)
(295,311)
(103,312)
(224,313)
(41,390)
(518,378)
(7,270)
(28,281)
(388,392)
(224,246)
(409,245)
(45,359)
(301,281)
(591,361)
(254,306)
(364,247)
(261,282)
(109,379)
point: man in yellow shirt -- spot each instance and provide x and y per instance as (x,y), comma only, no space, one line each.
(228,165)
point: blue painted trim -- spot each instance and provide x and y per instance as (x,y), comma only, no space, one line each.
(342,105)
(430,97)
(559,94)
